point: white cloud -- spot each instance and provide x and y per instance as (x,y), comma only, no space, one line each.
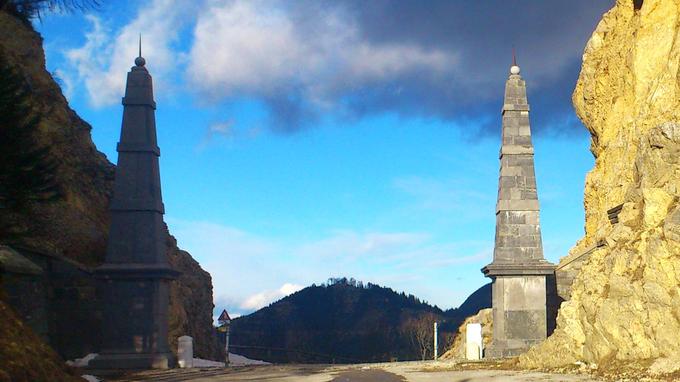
(262,299)
(107,55)
(228,130)
(251,47)
(225,128)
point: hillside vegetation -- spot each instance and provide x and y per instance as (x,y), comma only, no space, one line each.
(347,321)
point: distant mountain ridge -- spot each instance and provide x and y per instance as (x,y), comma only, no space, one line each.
(345,321)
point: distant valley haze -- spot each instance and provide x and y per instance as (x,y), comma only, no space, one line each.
(303,140)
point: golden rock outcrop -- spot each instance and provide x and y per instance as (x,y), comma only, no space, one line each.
(625,302)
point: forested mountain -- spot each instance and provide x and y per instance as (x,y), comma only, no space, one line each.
(345,321)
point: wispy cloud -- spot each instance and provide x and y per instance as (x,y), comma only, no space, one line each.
(353,245)
(448,196)
(264,298)
(228,130)
(108,53)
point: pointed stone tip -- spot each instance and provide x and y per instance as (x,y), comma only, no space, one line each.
(514,69)
(140,61)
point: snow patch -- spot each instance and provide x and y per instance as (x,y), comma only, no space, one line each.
(239,360)
(82,362)
(198,362)
(234,360)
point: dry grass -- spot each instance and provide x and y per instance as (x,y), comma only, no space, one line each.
(25,357)
(615,370)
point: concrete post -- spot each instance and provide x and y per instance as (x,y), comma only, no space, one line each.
(185,352)
(473,342)
(435,341)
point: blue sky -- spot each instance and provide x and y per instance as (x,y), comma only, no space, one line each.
(311,139)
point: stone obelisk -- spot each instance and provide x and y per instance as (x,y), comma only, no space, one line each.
(135,277)
(518,270)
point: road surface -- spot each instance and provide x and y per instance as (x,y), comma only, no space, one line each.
(383,372)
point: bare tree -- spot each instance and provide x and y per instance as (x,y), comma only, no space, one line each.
(420,333)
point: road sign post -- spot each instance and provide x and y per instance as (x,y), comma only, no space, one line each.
(225,322)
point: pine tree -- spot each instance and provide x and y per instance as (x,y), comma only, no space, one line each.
(30,9)
(27,173)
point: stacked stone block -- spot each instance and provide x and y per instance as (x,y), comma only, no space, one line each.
(519,269)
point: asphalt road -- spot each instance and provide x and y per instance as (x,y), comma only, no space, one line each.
(384,372)
(367,376)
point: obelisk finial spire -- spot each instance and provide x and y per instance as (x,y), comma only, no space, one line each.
(514,69)
(514,56)
(140,61)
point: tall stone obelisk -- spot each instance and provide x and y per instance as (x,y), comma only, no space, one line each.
(135,276)
(518,269)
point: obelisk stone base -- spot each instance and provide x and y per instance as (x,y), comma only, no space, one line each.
(519,314)
(135,322)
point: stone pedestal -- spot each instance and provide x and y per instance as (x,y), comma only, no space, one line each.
(519,311)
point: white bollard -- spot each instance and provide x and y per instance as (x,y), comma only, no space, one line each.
(473,342)
(185,352)
(436,348)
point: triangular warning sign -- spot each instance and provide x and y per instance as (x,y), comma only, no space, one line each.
(224,317)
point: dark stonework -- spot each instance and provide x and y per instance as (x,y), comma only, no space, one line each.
(134,280)
(519,269)
(59,298)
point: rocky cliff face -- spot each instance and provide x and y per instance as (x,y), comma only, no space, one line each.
(625,301)
(77,225)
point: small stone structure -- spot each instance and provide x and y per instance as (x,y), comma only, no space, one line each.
(22,280)
(135,276)
(53,295)
(185,352)
(518,270)
(473,342)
